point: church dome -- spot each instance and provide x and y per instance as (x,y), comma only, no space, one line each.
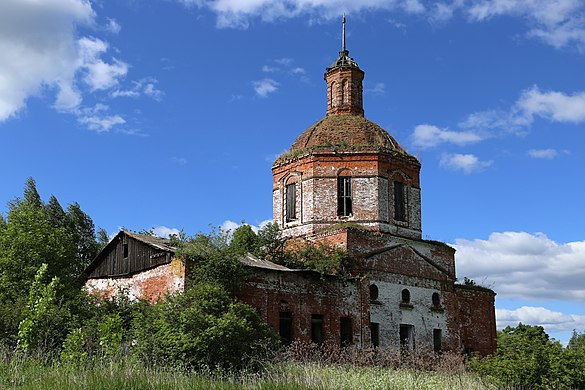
(343,133)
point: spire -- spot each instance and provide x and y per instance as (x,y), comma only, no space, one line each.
(344,83)
(343,34)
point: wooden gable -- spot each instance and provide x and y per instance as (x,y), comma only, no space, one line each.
(130,253)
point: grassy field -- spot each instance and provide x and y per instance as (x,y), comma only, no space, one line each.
(30,375)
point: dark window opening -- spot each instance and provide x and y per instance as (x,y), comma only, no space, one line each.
(469,351)
(374,292)
(317,329)
(436,299)
(375,329)
(291,202)
(437,340)
(405,296)
(406,338)
(286,327)
(344,196)
(125,246)
(399,202)
(346,331)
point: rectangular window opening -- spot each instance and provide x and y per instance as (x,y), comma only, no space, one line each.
(399,202)
(406,338)
(437,340)
(375,337)
(286,327)
(346,331)
(125,246)
(344,207)
(291,202)
(317,329)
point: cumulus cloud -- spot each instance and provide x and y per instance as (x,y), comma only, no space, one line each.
(165,232)
(466,163)
(553,106)
(42,54)
(543,153)
(524,265)
(428,136)
(265,87)
(552,321)
(559,23)
(37,49)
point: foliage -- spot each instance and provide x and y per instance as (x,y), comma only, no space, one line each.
(32,234)
(321,258)
(211,259)
(203,327)
(41,330)
(526,357)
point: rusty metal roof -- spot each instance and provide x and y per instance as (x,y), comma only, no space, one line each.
(154,241)
(252,261)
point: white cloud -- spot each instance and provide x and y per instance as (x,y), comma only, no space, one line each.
(42,54)
(179,160)
(543,153)
(113,26)
(146,87)
(297,70)
(38,49)
(97,119)
(558,23)
(269,69)
(552,321)
(378,89)
(165,232)
(427,136)
(265,87)
(552,105)
(524,265)
(467,163)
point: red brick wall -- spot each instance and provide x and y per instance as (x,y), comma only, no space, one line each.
(475,319)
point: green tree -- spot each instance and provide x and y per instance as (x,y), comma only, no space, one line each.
(244,240)
(526,357)
(32,234)
(44,324)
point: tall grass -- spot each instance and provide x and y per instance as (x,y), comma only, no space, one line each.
(35,374)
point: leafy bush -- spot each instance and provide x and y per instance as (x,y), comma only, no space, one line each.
(203,327)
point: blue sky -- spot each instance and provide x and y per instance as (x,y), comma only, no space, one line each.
(169,114)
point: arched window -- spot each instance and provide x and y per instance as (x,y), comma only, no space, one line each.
(344,204)
(332,95)
(405,296)
(373,292)
(291,202)
(436,299)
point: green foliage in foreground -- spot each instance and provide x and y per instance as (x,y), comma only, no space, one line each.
(123,375)
(527,358)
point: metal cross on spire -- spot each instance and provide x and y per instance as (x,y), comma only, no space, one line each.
(343,33)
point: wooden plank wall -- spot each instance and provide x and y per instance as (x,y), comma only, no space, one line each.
(140,257)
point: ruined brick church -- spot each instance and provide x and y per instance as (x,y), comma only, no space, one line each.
(345,181)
